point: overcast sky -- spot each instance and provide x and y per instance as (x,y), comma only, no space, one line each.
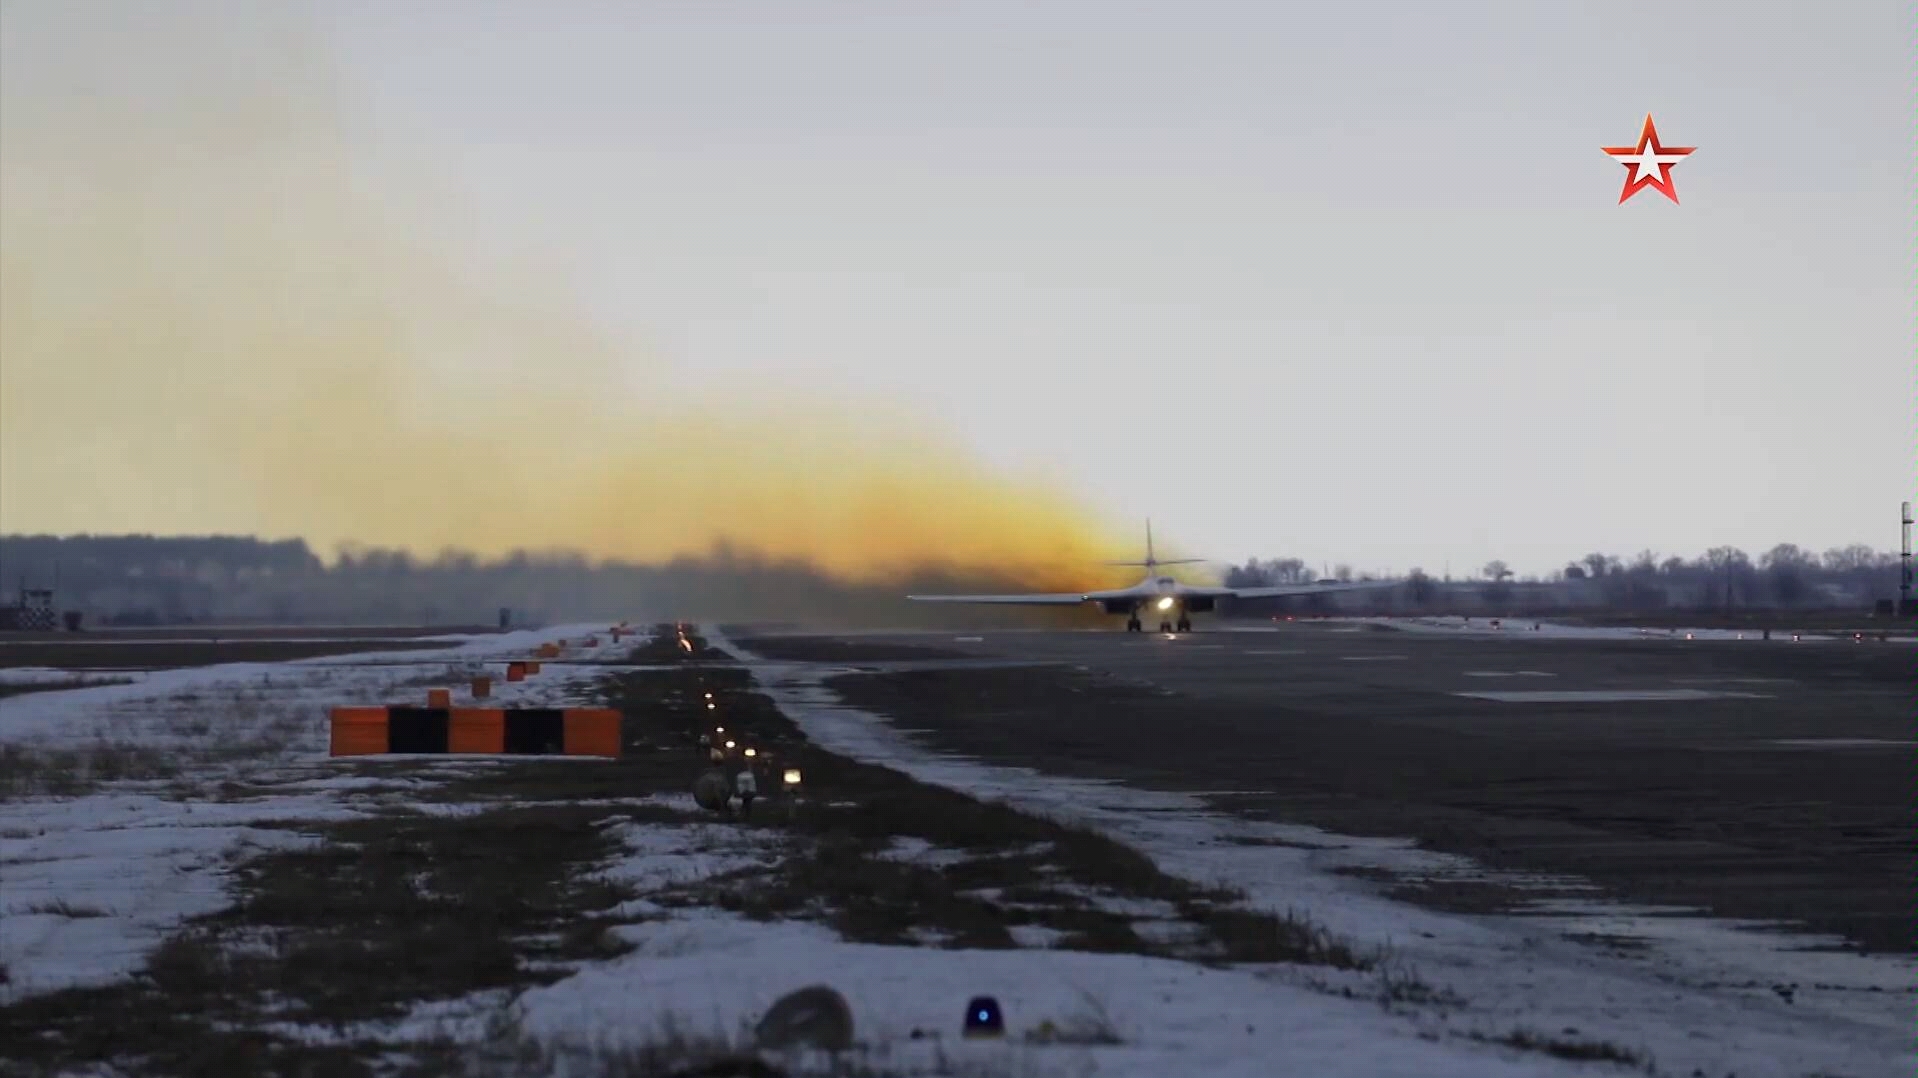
(1342,280)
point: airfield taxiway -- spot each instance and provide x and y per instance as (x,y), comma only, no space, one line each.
(1768,780)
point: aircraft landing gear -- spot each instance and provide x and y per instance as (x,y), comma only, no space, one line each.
(1185,624)
(1133,626)
(1165,626)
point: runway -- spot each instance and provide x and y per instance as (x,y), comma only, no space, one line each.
(1752,780)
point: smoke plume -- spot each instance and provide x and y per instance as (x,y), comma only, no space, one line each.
(224,308)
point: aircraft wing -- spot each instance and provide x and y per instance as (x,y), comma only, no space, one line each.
(1311,589)
(1040,599)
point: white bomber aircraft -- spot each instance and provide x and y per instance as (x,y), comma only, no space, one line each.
(1175,603)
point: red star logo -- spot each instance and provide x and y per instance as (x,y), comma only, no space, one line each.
(1648,164)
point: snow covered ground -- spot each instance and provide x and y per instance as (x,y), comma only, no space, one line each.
(286,701)
(1699,994)
(1169,1017)
(91,883)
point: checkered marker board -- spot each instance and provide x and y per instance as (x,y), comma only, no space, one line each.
(362,731)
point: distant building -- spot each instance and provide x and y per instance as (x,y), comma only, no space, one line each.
(32,613)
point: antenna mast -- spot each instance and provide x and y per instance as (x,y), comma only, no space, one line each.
(1904,559)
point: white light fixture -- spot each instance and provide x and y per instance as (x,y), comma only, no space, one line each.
(792,776)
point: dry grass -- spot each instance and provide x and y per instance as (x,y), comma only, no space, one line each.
(856,810)
(21,688)
(1568,1045)
(62,908)
(70,772)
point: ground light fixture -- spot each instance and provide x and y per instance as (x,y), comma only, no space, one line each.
(984,1019)
(792,776)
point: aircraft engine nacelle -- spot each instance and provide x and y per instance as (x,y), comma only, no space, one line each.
(1200,604)
(1117,606)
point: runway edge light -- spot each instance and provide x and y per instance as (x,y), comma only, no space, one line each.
(984,1019)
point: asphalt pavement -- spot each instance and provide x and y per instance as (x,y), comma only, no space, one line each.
(1752,779)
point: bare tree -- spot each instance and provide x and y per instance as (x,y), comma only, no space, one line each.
(1787,565)
(1422,587)
(1595,563)
(1850,558)
(1496,570)
(1729,564)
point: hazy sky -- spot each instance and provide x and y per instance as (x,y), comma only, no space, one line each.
(1341,280)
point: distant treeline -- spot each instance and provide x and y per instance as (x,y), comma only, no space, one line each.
(152,580)
(131,580)
(1786,576)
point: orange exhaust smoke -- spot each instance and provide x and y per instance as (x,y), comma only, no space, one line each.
(251,305)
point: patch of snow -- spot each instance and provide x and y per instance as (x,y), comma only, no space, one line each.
(136,866)
(720,974)
(1526,627)
(1844,743)
(917,851)
(661,857)
(218,705)
(1036,937)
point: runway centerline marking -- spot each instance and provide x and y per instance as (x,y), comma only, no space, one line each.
(1596,696)
(1289,651)
(1508,673)
(1368,658)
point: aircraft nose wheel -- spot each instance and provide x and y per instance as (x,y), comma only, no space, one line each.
(1185,625)
(1165,626)
(1133,626)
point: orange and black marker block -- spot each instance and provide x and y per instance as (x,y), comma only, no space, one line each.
(439,698)
(358,731)
(573,731)
(532,668)
(482,688)
(516,671)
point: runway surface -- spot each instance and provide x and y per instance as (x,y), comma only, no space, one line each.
(1754,780)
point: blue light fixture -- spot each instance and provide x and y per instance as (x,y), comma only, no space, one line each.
(984,1019)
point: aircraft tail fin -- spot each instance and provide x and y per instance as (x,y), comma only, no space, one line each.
(1151,560)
